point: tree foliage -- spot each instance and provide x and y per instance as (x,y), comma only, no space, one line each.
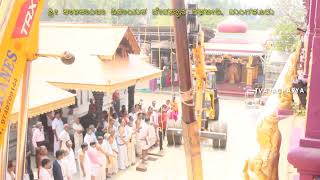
(286,36)
(290,14)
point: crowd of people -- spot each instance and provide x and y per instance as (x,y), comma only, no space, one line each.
(115,142)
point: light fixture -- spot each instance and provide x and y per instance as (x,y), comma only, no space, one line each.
(66,57)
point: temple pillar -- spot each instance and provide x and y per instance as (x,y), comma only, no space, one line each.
(250,74)
(243,74)
(306,157)
(131,90)
(255,74)
(308,38)
(98,98)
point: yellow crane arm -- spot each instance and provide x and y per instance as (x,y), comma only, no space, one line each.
(200,77)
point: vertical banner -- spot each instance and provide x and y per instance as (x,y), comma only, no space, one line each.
(19,43)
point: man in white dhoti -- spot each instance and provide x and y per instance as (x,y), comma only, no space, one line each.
(45,170)
(154,116)
(131,143)
(72,167)
(111,156)
(95,163)
(89,137)
(154,120)
(112,149)
(57,128)
(64,137)
(102,156)
(122,146)
(152,137)
(154,105)
(84,163)
(142,136)
(65,166)
(78,136)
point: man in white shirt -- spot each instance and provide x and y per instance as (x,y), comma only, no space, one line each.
(89,137)
(57,127)
(38,139)
(45,170)
(72,167)
(64,137)
(122,146)
(142,136)
(154,107)
(38,136)
(131,134)
(152,137)
(154,116)
(112,150)
(78,136)
(135,112)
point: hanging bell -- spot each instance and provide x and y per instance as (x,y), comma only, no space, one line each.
(67,58)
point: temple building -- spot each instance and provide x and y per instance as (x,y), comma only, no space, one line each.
(238,55)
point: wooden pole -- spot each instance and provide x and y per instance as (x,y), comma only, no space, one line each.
(189,123)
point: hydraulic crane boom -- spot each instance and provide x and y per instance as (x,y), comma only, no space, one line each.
(200,76)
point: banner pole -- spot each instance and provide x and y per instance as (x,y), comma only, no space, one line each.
(23,123)
(4,153)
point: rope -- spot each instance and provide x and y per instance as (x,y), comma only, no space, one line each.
(171,61)
(187,96)
(159,55)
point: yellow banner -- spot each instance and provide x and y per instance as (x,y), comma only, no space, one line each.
(18,44)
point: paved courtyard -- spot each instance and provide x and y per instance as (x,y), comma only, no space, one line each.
(217,164)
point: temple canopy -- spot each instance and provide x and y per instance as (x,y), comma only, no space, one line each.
(89,72)
(250,49)
(43,98)
(100,64)
(94,39)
